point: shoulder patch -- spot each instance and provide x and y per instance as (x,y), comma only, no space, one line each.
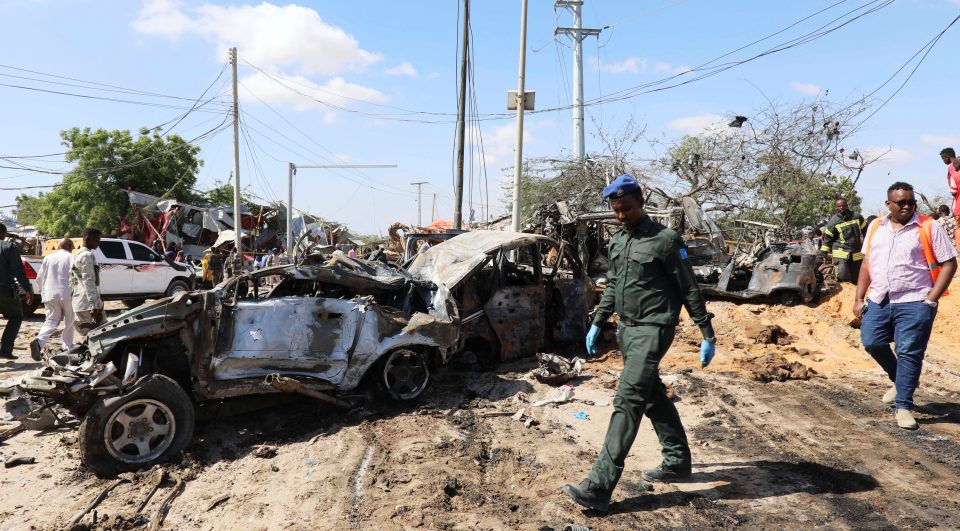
(683,253)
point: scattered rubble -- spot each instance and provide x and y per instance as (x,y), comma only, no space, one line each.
(776,368)
(555,369)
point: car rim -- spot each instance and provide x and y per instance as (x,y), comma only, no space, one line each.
(406,374)
(140,431)
(177,288)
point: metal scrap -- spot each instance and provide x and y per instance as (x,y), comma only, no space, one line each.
(555,370)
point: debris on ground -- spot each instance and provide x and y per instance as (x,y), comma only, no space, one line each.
(265,452)
(555,369)
(770,334)
(580,415)
(563,395)
(776,368)
(17,461)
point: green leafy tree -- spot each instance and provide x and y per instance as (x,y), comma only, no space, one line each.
(222,194)
(107,165)
(28,208)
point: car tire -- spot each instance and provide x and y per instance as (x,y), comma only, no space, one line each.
(176,286)
(405,373)
(156,408)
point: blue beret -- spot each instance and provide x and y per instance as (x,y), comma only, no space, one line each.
(623,185)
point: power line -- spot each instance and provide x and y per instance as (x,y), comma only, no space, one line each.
(925,50)
(115,88)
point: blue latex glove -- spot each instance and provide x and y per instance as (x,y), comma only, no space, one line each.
(707,350)
(592,340)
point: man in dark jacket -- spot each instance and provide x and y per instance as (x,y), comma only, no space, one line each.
(842,239)
(11,274)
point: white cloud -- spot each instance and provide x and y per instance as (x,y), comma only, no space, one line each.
(270,36)
(336,91)
(402,69)
(694,125)
(499,143)
(888,156)
(163,17)
(806,89)
(941,140)
(630,65)
(667,67)
(433,75)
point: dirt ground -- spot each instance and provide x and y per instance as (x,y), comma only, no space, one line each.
(786,426)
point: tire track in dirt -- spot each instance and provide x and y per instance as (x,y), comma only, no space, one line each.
(876,476)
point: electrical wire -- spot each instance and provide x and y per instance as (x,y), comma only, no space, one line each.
(925,50)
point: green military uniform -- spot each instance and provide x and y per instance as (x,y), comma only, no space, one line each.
(648,281)
(842,240)
(11,274)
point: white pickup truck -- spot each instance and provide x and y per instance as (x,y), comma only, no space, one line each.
(129,271)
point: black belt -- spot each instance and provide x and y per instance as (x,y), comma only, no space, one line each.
(630,322)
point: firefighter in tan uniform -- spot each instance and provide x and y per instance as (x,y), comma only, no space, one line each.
(85,285)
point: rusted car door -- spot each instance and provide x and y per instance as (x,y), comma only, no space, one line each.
(570,295)
(516,310)
(307,336)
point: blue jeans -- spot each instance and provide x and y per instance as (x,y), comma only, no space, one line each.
(908,326)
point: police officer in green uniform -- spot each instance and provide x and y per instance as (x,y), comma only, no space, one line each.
(649,279)
(12,273)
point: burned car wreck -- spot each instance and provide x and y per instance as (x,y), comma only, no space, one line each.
(315,328)
(757,265)
(517,293)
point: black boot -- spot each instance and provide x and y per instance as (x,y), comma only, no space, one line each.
(666,473)
(589,495)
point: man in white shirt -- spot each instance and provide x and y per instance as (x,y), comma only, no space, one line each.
(85,285)
(54,281)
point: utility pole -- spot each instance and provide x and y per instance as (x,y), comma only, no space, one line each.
(433,211)
(577,33)
(461,126)
(419,185)
(521,96)
(292,170)
(237,217)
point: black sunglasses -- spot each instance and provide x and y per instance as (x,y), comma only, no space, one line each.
(903,203)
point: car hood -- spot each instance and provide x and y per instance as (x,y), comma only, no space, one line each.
(451,262)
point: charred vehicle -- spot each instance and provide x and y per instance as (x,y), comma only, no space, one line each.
(757,266)
(318,330)
(517,293)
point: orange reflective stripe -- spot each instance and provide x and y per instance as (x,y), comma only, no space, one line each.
(866,243)
(926,243)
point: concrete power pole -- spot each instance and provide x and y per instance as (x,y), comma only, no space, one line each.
(461,126)
(419,186)
(521,96)
(577,33)
(237,218)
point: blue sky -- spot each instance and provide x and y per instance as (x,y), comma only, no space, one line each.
(392,55)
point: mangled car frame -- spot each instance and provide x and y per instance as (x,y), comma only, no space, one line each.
(321,328)
(517,293)
(757,266)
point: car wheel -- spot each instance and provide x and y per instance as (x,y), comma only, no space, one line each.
(406,373)
(177,286)
(148,425)
(790,298)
